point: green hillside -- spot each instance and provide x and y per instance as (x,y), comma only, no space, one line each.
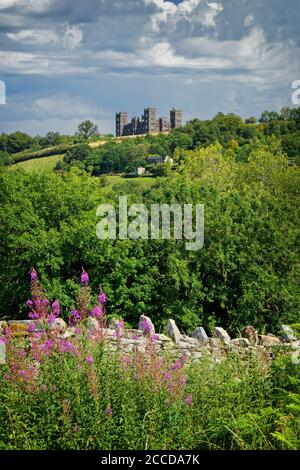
(39,164)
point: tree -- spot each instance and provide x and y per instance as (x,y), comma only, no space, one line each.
(79,152)
(87,129)
(251,120)
(19,141)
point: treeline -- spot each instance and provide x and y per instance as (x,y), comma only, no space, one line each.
(231,131)
(115,156)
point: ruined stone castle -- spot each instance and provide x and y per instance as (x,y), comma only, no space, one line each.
(148,123)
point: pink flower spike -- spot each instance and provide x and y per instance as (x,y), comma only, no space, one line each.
(102,297)
(84,278)
(89,360)
(55,308)
(33,275)
(189,400)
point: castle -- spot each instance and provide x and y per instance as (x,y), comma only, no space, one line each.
(148,123)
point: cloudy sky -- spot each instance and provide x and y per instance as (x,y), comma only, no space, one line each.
(64,61)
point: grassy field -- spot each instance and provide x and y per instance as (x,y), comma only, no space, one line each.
(118,179)
(39,164)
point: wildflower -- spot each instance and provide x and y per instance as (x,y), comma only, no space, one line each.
(89,360)
(65,346)
(74,317)
(119,329)
(33,275)
(182,381)
(97,312)
(84,278)
(29,303)
(31,327)
(153,338)
(55,308)
(102,297)
(135,337)
(108,411)
(177,365)
(145,326)
(51,319)
(189,400)
(34,316)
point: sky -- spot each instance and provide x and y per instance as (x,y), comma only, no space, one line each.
(64,61)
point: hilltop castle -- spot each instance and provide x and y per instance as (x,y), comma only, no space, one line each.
(148,123)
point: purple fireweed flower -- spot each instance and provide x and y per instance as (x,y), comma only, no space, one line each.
(97,312)
(51,319)
(168,376)
(119,329)
(46,346)
(177,365)
(102,297)
(74,317)
(135,337)
(31,327)
(65,346)
(34,316)
(153,338)
(189,400)
(29,303)
(89,360)
(33,275)
(84,278)
(55,308)
(182,381)
(146,327)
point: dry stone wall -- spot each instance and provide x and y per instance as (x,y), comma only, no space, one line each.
(194,347)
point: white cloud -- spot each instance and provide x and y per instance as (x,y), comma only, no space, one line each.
(249,20)
(37,6)
(192,11)
(73,37)
(34,36)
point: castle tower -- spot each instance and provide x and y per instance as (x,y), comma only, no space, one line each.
(175,118)
(121,123)
(149,120)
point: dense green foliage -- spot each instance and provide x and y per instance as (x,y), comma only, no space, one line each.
(247,272)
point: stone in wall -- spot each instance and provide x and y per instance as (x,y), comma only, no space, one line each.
(200,335)
(269,341)
(58,325)
(222,334)
(251,334)
(173,331)
(240,342)
(289,334)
